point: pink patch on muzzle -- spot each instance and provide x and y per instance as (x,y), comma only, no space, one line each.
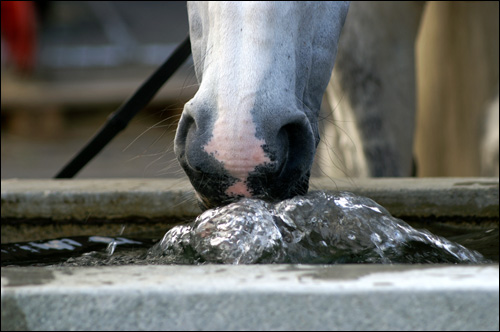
(234,144)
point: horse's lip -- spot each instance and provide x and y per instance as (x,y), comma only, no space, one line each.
(300,188)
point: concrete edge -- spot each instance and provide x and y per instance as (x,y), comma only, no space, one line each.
(445,198)
(174,198)
(256,297)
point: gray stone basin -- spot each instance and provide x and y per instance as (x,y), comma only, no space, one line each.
(252,297)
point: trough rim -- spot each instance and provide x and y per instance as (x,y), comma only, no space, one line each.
(108,199)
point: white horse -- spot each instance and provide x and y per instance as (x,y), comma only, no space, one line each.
(252,128)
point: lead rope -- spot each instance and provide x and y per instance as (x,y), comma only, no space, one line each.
(118,120)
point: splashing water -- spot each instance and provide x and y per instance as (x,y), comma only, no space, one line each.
(318,228)
(322,228)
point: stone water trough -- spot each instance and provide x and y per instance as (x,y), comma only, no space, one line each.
(251,297)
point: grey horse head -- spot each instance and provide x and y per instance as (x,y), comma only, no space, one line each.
(251,130)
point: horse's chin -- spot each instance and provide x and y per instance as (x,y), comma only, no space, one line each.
(271,195)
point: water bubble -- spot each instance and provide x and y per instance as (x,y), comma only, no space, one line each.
(320,227)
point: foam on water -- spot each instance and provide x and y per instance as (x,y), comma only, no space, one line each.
(325,228)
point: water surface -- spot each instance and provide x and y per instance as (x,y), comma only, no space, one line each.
(318,228)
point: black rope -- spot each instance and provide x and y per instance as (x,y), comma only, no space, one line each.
(119,119)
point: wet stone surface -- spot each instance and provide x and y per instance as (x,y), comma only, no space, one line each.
(321,228)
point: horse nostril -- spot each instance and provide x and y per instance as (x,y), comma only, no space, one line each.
(181,136)
(298,145)
(292,150)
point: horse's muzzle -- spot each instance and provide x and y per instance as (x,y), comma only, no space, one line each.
(274,164)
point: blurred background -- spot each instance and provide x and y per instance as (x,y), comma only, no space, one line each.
(67,65)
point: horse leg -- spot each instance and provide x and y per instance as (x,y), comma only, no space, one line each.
(372,91)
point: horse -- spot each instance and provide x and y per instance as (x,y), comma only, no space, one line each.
(410,91)
(251,130)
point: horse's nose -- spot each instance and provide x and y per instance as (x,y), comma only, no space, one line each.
(260,154)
